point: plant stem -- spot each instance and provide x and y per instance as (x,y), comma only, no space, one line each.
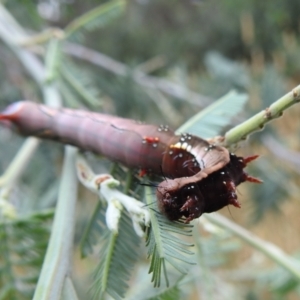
(19,163)
(270,250)
(56,264)
(257,122)
(69,290)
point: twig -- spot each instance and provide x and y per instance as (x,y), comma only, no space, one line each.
(257,122)
(19,163)
(68,291)
(56,263)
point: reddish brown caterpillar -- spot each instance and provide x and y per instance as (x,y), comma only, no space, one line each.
(205,175)
(205,192)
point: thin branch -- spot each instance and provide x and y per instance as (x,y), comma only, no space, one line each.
(270,250)
(56,263)
(69,291)
(42,37)
(19,163)
(257,122)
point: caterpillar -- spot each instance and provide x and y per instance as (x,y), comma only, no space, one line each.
(202,177)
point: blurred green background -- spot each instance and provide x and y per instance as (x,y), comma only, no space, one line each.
(161,62)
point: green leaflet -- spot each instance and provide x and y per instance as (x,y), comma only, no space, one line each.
(119,251)
(210,121)
(168,294)
(97,17)
(93,230)
(165,243)
(118,255)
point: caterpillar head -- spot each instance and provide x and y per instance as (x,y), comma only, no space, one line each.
(205,192)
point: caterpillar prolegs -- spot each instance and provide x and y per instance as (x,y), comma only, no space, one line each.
(203,177)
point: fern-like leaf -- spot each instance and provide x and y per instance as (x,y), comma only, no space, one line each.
(97,17)
(118,254)
(93,230)
(210,121)
(165,243)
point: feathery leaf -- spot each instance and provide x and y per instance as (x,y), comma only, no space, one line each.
(97,17)
(210,121)
(163,245)
(93,230)
(118,254)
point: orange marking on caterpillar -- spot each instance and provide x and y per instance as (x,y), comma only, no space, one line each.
(150,139)
(142,172)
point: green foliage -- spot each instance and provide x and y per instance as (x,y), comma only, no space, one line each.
(118,254)
(93,230)
(281,281)
(96,18)
(226,72)
(24,8)
(211,121)
(119,250)
(169,294)
(273,194)
(234,49)
(23,245)
(213,252)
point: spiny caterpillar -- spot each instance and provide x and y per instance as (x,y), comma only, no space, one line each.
(203,177)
